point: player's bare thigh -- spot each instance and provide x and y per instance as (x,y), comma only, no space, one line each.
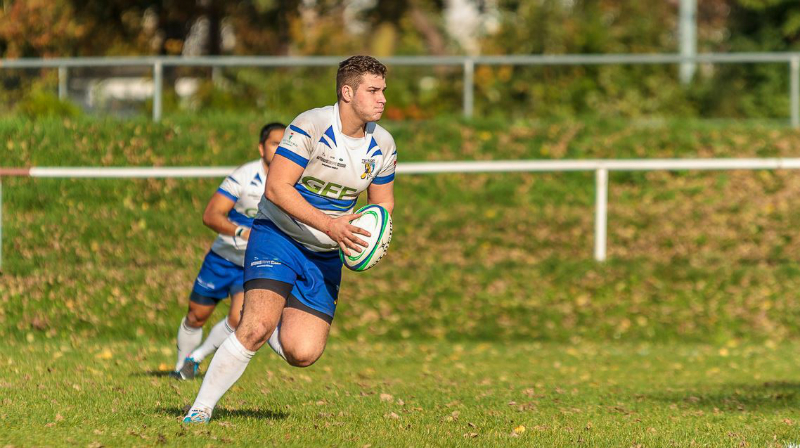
(260,315)
(303,336)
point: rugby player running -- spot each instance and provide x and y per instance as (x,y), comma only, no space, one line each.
(327,157)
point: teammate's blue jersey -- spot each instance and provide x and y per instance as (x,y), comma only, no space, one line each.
(245,187)
(337,168)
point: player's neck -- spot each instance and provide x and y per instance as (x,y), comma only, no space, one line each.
(264,165)
(352,126)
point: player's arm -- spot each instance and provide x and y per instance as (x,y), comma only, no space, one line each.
(215,217)
(382,195)
(283,175)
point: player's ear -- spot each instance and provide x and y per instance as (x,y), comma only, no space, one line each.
(347,93)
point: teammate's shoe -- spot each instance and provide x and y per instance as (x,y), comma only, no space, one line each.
(202,415)
(189,369)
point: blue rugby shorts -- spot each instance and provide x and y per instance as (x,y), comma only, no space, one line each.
(218,278)
(315,276)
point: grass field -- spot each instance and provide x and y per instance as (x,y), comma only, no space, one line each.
(692,256)
(488,296)
(412,394)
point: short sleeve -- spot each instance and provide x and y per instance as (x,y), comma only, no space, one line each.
(233,185)
(296,144)
(386,174)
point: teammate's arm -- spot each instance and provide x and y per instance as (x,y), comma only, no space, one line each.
(382,195)
(215,217)
(283,175)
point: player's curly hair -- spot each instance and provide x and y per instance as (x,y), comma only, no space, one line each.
(351,70)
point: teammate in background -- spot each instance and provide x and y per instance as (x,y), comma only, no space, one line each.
(326,159)
(230,212)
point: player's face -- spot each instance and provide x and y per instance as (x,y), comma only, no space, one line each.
(369,100)
(270,145)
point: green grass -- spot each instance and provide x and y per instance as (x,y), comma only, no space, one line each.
(90,393)
(488,313)
(701,256)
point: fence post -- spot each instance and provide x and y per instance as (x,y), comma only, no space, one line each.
(469,76)
(158,74)
(62,83)
(601,213)
(794,99)
(687,33)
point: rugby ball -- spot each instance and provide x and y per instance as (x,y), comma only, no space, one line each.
(375,220)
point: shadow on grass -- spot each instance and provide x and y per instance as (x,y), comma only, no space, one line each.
(222,413)
(153,373)
(735,396)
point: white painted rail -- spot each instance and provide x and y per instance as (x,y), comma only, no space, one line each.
(601,167)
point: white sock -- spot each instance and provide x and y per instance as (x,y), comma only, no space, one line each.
(215,337)
(226,367)
(188,339)
(274,342)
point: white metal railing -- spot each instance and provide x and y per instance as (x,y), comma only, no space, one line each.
(468,63)
(601,167)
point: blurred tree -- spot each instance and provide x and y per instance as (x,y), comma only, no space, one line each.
(421,14)
(746,90)
(772,25)
(39,28)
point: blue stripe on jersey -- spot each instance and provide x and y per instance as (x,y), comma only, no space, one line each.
(227,195)
(372,144)
(239,219)
(323,203)
(298,130)
(258,177)
(322,140)
(394,152)
(300,160)
(377,153)
(234,180)
(383,180)
(329,133)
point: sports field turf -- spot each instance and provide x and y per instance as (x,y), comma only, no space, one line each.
(488,314)
(412,394)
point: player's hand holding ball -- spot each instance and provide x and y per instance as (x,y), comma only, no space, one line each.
(346,234)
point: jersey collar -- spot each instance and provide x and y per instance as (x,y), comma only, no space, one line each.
(337,128)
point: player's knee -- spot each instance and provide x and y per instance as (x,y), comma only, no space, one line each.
(195,319)
(254,335)
(302,356)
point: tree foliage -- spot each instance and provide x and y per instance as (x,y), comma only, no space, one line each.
(53,28)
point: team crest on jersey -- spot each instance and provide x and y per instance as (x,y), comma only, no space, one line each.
(369,168)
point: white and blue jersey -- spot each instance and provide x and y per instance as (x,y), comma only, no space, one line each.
(222,272)
(245,187)
(337,168)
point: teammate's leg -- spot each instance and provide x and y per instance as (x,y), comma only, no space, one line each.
(221,330)
(260,315)
(214,282)
(190,331)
